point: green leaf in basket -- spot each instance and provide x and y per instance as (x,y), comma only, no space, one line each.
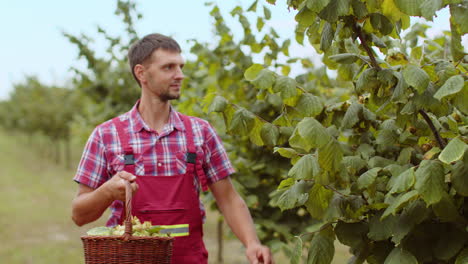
(99,231)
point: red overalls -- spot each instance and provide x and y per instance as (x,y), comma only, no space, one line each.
(171,201)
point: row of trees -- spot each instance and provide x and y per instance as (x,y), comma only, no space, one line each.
(374,157)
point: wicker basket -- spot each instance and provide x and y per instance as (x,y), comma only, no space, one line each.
(127,249)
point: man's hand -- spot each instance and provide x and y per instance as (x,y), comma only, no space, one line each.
(116,185)
(258,253)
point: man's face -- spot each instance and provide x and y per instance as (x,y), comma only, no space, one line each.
(162,74)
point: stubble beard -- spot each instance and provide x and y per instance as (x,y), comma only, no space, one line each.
(168,96)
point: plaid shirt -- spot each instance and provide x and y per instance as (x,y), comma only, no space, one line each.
(155,154)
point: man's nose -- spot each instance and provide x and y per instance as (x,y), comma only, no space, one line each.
(179,74)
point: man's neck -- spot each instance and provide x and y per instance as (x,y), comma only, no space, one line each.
(154,112)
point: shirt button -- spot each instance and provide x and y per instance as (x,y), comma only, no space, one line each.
(159,164)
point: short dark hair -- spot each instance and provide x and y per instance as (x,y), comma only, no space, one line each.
(142,49)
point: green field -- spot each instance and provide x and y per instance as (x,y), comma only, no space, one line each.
(35,223)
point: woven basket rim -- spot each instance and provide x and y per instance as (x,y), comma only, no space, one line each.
(119,237)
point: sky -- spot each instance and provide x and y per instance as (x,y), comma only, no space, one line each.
(32,43)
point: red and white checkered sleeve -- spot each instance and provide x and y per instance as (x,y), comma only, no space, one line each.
(217,165)
(92,169)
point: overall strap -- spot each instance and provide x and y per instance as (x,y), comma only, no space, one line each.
(124,141)
(192,153)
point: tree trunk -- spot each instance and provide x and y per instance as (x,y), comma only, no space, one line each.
(220,239)
(68,152)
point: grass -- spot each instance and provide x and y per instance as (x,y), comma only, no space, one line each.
(35,223)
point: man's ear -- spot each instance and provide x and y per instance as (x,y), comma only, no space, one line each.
(140,72)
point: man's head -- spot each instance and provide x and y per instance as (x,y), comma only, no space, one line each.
(140,52)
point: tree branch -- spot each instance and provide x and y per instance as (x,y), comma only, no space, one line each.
(439,139)
(366,47)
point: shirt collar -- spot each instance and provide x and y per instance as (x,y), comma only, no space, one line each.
(137,123)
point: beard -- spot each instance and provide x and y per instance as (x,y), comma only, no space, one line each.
(166,96)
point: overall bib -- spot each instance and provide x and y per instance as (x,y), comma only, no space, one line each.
(171,202)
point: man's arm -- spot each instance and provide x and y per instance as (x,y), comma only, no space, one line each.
(89,204)
(238,217)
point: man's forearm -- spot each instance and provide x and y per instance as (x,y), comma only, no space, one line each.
(90,204)
(235,211)
(238,218)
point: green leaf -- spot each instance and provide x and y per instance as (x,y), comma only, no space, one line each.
(260,24)
(313,132)
(381,23)
(456,47)
(368,178)
(400,89)
(462,257)
(295,195)
(405,155)
(459,17)
(266,12)
(264,80)
(317,5)
(255,133)
(319,200)
(252,72)
(460,100)
(446,210)
(286,183)
(218,105)
(453,151)
(460,176)
(452,86)
(381,229)
(412,215)
(367,81)
(297,252)
(404,181)
(286,152)
(449,242)
(430,181)
(351,234)
(242,122)
(344,58)
(399,202)
(429,7)
(269,134)
(400,256)
(305,168)
(359,9)
(335,9)
(416,77)
(322,249)
(409,7)
(351,117)
(354,163)
(287,87)
(305,17)
(366,151)
(326,37)
(330,156)
(309,105)
(253,7)
(387,137)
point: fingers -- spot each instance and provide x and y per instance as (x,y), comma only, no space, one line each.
(134,186)
(265,254)
(259,254)
(126,176)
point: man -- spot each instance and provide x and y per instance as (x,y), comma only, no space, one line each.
(166,156)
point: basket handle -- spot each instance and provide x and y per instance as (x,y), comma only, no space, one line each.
(128,210)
